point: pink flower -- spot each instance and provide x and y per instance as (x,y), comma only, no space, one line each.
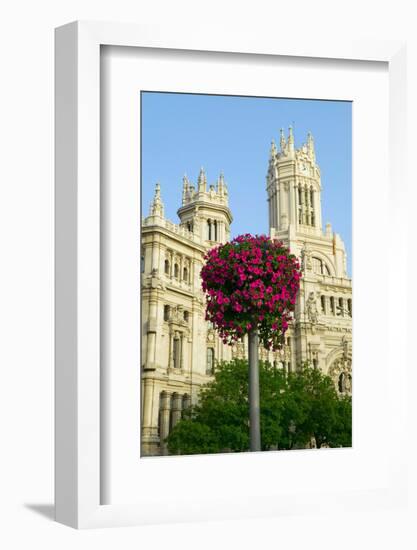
(252,281)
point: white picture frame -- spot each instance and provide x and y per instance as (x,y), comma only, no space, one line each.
(78,405)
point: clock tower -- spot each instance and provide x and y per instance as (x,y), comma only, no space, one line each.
(321,333)
(294,189)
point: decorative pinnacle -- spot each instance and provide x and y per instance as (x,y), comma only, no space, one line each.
(282,141)
(310,145)
(202,180)
(273,150)
(157,206)
(290,139)
(185,188)
(221,184)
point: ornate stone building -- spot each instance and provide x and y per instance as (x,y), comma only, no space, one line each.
(179,348)
(322,332)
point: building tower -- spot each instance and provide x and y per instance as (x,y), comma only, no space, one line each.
(206,212)
(323,317)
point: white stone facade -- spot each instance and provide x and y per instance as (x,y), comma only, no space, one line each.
(179,348)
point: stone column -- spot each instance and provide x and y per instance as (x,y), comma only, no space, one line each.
(313,212)
(308,206)
(283,205)
(182,347)
(181,265)
(151,334)
(292,214)
(165,412)
(269,212)
(171,351)
(155,255)
(176,408)
(317,208)
(186,401)
(274,207)
(149,427)
(147,397)
(150,350)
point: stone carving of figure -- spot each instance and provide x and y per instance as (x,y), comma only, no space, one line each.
(348,383)
(305,258)
(342,382)
(311,308)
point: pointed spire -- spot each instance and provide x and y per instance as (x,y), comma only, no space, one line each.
(202,180)
(290,139)
(185,189)
(157,206)
(282,141)
(310,146)
(220,183)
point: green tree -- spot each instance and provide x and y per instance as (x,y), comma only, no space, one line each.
(318,410)
(294,408)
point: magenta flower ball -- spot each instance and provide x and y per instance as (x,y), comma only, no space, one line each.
(251,283)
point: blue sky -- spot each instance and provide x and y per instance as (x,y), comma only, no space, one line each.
(182,132)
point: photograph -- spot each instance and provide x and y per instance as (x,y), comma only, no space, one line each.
(245,274)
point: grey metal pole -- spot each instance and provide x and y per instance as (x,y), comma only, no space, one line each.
(254,403)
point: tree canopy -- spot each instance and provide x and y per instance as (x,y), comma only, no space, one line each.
(295,407)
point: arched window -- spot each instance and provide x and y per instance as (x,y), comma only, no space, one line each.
(215,230)
(210,361)
(319,266)
(142,264)
(209,230)
(176,355)
(185,275)
(332,306)
(186,316)
(323,304)
(166,267)
(190,227)
(176,271)
(167,311)
(315,363)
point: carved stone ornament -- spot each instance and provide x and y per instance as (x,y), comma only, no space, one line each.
(341,373)
(311,308)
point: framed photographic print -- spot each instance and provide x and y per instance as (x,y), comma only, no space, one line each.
(214,207)
(194,368)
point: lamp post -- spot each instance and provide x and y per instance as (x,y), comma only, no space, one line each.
(251,285)
(254,401)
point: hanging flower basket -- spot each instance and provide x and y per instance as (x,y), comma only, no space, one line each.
(251,283)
